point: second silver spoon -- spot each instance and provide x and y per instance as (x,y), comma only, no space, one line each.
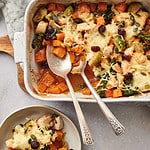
(116,125)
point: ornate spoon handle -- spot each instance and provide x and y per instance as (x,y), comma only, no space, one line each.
(86,134)
(116,125)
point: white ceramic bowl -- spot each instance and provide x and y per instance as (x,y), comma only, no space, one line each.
(24,55)
(33,112)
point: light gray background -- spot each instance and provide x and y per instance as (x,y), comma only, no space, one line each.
(135,117)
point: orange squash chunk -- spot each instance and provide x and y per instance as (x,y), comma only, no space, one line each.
(41,87)
(83,7)
(53,89)
(51,7)
(60,36)
(102,6)
(59,51)
(117,93)
(62,86)
(86,91)
(47,79)
(57,42)
(121,7)
(40,55)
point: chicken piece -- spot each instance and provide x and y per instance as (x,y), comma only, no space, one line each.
(112,83)
(120,78)
(59,124)
(105,64)
(129,51)
(45,121)
(10,143)
(125,66)
(108,50)
(139,58)
(41,27)
(125,16)
(117,68)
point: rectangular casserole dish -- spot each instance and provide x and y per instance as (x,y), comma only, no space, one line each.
(25,57)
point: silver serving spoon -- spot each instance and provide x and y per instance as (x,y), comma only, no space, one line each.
(62,67)
(116,125)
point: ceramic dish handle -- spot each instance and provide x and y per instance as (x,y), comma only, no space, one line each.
(19,47)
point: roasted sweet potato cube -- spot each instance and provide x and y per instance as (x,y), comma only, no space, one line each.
(86,91)
(57,42)
(102,6)
(53,89)
(52,7)
(60,7)
(60,36)
(59,135)
(62,86)
(117,93)
(59,79)
(59,51)
(40,55)
(41,87)
(83,7)
(47,79)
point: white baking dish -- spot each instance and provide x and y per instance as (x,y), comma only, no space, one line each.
(23,55)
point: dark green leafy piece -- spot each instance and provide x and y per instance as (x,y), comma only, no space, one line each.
(129,92)
(119,42)
(144,36)
(108,14)
(128,79)
(37,41)
(82,86)
(33,137)
(96,59)
(113,61)
(112,71)
(101,93)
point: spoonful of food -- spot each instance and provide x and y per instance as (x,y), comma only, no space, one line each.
(116,125)
(61,67)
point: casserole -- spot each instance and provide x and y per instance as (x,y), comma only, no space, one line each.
(26,57)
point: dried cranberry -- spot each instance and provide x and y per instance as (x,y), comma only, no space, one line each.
(101,29)
(129,75)
(35,144)
(50,29)
(128,78)
(126,57)
(95,48)
(47,36)
(122,32)
(78,20)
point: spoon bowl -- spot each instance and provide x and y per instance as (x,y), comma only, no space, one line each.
(62,67)
(58,66)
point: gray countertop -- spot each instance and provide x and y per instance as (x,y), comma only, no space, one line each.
(135,117)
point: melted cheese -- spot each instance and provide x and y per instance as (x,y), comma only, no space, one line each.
(141,80)
(133,24)
(22,135)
